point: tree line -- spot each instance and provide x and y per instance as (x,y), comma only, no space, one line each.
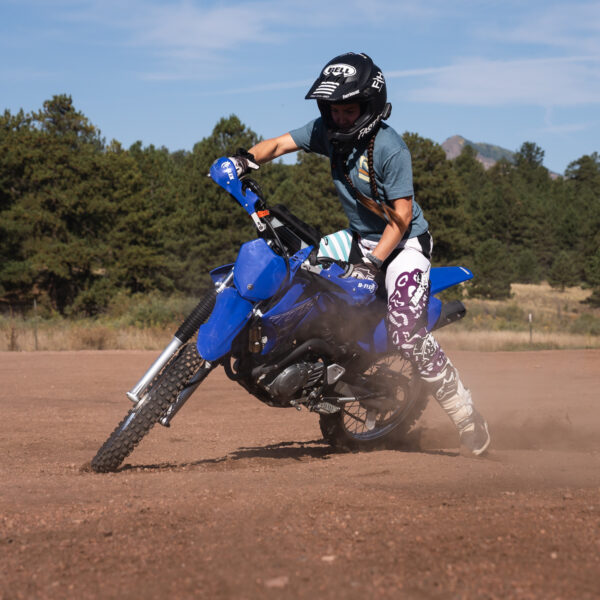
(82,219)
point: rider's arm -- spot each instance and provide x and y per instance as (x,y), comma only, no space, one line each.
(268,150)
(393,233)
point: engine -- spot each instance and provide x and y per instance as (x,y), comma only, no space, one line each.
(292,379)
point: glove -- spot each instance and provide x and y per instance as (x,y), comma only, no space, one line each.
(363,270)
(243,162)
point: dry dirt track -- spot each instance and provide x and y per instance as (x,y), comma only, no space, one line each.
(238,500)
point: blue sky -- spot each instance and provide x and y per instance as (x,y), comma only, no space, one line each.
(164,72)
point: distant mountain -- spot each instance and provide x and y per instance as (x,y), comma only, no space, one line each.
(487,154)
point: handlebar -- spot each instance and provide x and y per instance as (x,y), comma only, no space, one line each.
(293,239)
(291,232)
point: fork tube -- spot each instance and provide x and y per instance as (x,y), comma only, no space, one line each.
(151,373)
(226,282)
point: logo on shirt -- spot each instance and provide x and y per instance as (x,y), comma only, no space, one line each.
(363,168)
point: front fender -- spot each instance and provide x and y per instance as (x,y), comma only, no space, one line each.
(230,314)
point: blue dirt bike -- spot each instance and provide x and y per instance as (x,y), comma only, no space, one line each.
(295,331)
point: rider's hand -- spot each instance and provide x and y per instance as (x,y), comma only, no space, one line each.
(363,270)
(243,162)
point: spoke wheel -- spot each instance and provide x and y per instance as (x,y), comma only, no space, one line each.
(383,417)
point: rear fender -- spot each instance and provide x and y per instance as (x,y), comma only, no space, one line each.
(444,277)
(230,314)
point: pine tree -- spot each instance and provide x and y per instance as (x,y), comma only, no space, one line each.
(437,191)
(58,214)
(565,270)
(492,270)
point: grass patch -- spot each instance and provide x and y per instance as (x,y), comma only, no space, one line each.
(21,334)
(453,338)
(558,320)
(148,322)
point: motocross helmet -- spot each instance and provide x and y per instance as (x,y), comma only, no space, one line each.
(350,78)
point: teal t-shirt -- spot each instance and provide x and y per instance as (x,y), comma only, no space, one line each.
(393,175)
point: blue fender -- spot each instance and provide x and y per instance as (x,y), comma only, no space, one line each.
(230,314)
(445,277)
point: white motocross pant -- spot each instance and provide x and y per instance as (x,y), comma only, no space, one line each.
(407,288)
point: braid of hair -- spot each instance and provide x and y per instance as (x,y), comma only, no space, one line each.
(370,163)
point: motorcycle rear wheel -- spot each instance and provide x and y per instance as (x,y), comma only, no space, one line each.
(147,412)
(406,399)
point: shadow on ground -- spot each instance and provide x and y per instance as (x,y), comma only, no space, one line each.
(283,452)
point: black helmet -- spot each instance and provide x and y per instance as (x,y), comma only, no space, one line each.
(351,78)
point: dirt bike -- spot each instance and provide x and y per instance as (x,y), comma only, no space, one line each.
(293,329)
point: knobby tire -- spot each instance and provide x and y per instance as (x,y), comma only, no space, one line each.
(142,417)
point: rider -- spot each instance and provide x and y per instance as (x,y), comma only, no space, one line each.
(388,237)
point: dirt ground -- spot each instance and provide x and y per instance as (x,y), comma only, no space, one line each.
(238,500)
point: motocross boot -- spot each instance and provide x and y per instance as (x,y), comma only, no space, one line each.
(455,399)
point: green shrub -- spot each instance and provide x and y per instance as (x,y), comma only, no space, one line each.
(511,313)
(594,299)
(586,324)
(496,318)
(455,292)
(149,310)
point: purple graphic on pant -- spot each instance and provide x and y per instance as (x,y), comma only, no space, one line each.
(407,306)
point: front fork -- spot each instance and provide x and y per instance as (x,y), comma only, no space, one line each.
(186,392)
(184,333)
(135,394)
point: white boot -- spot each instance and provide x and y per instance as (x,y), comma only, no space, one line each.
(456,400)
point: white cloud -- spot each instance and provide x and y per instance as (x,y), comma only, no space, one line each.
(537,82)
(417,72)
(567,128)
(187,30)
(194,39)
(187,27)
(478,82)
(572,26)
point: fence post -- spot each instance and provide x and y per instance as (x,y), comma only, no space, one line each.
(35,319)
(530,329)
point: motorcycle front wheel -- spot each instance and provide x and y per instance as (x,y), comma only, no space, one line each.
(399,401)
(149,410)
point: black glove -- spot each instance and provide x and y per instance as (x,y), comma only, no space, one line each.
(363,270)
(243,162)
